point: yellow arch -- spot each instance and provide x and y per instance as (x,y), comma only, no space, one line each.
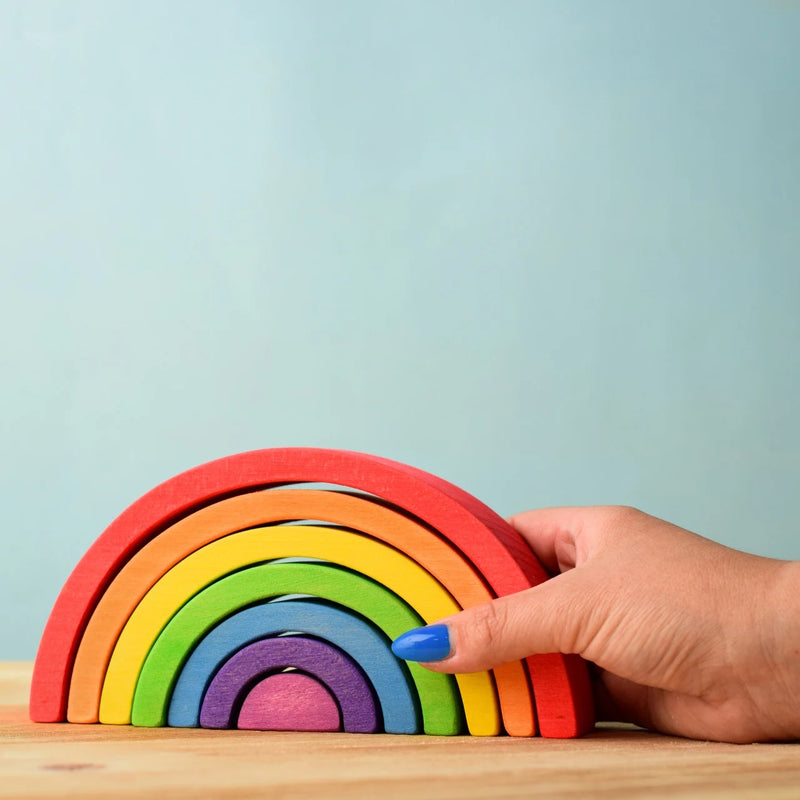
(376,560)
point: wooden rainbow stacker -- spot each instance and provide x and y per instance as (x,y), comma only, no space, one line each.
(186,612)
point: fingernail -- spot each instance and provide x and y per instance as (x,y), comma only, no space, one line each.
(431,643)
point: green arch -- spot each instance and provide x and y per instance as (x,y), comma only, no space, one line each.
(438,695)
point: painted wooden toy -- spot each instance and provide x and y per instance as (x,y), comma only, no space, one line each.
(332,668)
(185,612)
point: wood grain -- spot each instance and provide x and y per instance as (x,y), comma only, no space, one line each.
(95,762)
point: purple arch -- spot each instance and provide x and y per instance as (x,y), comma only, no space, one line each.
(329,665)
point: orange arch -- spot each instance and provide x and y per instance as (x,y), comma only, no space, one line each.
(435,554)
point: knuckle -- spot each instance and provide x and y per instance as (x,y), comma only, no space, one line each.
(623,513)
(619,520)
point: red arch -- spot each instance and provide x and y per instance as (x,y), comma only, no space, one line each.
(560,682)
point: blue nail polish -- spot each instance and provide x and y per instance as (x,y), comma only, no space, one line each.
(431,643)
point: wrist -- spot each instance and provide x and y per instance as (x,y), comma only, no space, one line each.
(782,648)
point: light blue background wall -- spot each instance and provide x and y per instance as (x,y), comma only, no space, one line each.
(546,250)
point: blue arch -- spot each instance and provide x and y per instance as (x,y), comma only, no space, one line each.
(368,648)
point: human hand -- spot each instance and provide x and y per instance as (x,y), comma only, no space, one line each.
(688,637)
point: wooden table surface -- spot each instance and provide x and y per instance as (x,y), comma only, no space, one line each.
(103,761)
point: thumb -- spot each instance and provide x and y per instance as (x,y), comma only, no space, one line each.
(552,617)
